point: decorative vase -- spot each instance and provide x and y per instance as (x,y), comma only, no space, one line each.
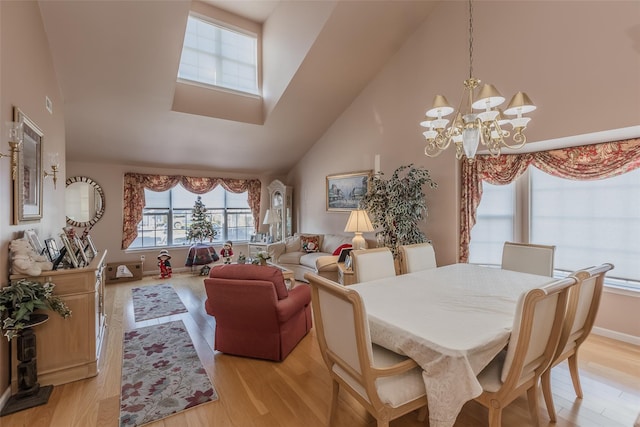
(263,261)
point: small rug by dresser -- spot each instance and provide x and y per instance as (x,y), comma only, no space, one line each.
(161,374)
(150,302)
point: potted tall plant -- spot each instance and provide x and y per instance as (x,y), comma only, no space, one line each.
(397,205)
(19,301)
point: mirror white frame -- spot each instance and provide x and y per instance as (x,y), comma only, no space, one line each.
(92,203)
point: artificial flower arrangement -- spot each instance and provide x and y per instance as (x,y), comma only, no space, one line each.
(20,299)
(262,257)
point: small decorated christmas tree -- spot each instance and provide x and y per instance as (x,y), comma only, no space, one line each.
(201,228)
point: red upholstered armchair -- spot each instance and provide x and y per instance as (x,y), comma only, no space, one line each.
(255,314)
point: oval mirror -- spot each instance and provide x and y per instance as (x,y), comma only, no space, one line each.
(84,201)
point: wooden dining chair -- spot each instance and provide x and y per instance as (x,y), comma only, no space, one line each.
(387,384)
(540,313)
(587,300)
(417,257)
(528,258)
(371,264)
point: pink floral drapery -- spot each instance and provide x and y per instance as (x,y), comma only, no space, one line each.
(588,162)
(134,202)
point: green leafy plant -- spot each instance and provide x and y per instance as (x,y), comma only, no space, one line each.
(20,299)
(201,228)
(397,205)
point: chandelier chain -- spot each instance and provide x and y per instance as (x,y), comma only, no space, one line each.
(470,40)
(469,129)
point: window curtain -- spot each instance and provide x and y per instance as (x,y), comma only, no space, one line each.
(588,162)
(135,184)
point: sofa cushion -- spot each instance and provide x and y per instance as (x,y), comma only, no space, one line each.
(290,257)
(310,243)
(252,272)
(309,260)
(327,263)
(292,244)
(331,242)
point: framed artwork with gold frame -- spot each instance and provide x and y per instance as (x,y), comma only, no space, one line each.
(345,191)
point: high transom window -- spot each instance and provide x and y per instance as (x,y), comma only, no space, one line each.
(219,56)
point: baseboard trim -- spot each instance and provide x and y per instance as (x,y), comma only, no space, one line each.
(631,339)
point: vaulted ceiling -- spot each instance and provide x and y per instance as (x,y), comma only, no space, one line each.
(117,61)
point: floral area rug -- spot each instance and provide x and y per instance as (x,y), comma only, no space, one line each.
(161,374)
(154,301)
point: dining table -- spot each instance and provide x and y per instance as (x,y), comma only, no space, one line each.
(452,320)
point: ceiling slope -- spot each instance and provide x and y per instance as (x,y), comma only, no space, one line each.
(117,62)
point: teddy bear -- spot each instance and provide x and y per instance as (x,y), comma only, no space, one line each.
(25,260)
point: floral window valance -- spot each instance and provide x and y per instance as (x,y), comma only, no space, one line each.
(134,201)
(588,162)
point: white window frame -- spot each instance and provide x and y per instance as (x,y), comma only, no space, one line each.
(522,230)
(172,212)
(219,58)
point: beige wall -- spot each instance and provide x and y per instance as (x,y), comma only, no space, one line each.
(567,68)
(27,76)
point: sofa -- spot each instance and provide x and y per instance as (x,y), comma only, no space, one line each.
(302,253)
(256,316)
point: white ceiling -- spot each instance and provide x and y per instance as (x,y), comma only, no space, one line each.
(117,61)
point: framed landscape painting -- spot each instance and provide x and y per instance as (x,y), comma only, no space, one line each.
(345,191)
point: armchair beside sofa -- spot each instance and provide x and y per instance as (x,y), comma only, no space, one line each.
(291,255)
(256,316)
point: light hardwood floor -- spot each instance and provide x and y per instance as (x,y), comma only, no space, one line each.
(297,391)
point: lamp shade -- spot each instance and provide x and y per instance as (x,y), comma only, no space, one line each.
(359,222)
(270,217)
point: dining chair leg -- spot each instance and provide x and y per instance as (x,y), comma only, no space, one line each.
(575,375)
(495,414)
(532,397)
(333,410)
(548,396)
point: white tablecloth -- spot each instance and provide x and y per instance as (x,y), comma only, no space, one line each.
(451,320)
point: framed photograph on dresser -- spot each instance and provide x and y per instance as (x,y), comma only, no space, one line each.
(52,249)
(70,253)
(90,247)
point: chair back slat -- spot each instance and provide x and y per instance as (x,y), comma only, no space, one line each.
(372,264)
(417,257)
(536,331)
(528,258)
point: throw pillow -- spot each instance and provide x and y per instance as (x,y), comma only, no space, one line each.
(310,243)
(340,248)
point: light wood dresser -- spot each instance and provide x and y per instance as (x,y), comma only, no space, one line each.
(68,349)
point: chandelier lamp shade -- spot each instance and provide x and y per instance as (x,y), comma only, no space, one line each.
(359,223)
(478,118)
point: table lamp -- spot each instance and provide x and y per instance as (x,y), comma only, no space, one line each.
(359,223)
(270,218)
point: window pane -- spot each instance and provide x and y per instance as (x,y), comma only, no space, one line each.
(228,212)
(590,222)
(154,199)
(494,224)
(218,56)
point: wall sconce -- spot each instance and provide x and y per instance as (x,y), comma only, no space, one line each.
(55,164)
(15,134)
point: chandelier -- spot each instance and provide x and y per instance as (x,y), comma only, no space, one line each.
(469,128)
